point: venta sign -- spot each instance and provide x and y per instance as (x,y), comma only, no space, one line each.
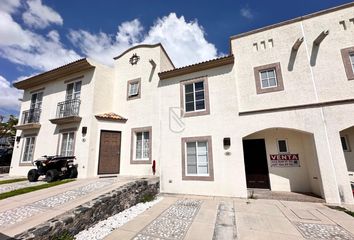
(284,160)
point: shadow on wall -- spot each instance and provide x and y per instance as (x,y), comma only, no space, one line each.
(292,60)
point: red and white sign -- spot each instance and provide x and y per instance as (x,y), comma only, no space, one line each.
(284,160)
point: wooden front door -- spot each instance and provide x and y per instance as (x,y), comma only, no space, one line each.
(255,156)
(109,158)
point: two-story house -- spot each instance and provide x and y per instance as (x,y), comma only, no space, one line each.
(276,113)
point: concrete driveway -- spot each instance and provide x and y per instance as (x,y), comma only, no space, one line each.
(179,217)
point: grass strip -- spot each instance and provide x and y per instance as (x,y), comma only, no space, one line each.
(342,209)
(34,188)
(12,180)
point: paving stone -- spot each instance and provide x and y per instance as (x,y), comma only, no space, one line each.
(18,185)
(173,223)
(323,231)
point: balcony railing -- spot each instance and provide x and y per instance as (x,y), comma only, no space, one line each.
(31,116)
(68,108)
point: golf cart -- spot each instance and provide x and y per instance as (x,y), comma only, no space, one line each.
(53,168)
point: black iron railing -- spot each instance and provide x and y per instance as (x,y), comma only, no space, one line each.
(31,116)
(68,108)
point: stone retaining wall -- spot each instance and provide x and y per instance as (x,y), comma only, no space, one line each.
(88,214)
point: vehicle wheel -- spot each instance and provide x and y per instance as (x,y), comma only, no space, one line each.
(33,175)
(52,175)
(72,172)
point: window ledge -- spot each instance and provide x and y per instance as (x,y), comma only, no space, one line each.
(141,161)
(198,178)
(22,164)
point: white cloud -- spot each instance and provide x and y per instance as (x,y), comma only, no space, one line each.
(28,48)
(246,12)
(9,95)
(11,32)
(10,6)
(184,41)
(40,16)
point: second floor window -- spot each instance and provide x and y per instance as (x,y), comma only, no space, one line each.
(133,89)
(36,100)
(268,78)
(194,96)
(348,61)
(73,91)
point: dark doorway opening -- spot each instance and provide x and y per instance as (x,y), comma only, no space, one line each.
(109,156)
(256,166)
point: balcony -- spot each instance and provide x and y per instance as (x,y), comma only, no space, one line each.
(30,119)
(67,112)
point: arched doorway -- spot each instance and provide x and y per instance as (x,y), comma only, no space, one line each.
(282,159)
(347,140)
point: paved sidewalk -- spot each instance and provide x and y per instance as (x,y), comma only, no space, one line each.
(18,185)
(187,217)
(22,212)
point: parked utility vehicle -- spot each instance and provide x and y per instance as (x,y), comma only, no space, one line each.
(53,168)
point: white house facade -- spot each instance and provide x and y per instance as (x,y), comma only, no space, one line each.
(276,113)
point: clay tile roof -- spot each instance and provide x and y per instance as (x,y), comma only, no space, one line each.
(110,116)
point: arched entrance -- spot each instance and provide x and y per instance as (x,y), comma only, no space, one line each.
(282,159)
(347,140)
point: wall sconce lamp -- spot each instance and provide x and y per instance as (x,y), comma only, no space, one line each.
(227,142)
(84,130)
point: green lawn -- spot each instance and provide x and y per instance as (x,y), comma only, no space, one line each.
(34,188)
(12,180)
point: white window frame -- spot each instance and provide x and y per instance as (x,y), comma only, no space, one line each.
(75,94)
(196,151)
(266,71)
(67,143)
(194,97)
(136,93)
(345,137)
(286,144)
(32,144)
(142,146)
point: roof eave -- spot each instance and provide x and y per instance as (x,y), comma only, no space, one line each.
(63,71)
(297,19)
(197,67)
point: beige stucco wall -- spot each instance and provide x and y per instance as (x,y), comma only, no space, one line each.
(320,80)
(229,179)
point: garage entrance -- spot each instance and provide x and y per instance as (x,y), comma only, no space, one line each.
(255,157)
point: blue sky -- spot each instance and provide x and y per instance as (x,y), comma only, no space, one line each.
(38,35)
